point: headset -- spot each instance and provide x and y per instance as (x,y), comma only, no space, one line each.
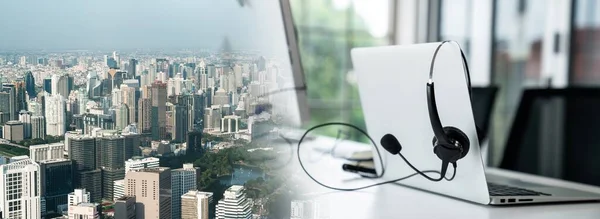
(450,144)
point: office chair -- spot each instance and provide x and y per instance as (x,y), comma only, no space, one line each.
(482,101)
(555,133)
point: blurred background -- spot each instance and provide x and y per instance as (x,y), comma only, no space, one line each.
(511,45)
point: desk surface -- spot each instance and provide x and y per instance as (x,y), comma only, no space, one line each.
(396,201)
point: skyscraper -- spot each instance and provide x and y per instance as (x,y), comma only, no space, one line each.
(196,204)
(113,151)
(152,190)
(181,121)
(25,118)
(30,85)
(129,99)
(182,181)
(51,151)
(234,204)
(159,111)
(48,85)
(145,115)
(57,181)
(132,67)
(38,127)
(194,142)
(10,100)
(60,85)
(55,115)
(20,189)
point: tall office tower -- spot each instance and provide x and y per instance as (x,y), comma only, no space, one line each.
(51,151)
(221,97)
(20,189)
(21,96)
(78,196)
(57,182)
(5,98)
(230,124)
(237,72)
(145,115)
(194,142)
(48,85)
(130,100)
(55,115)
(216,115)
(25,118)
(113,151)
(11,104)
(34,107)
(152,190)
(182,180)
(180,123)
(208,124)
(38,127)
(159,111)
(82,150)
(30,84)
(210,95)
(122,116)
(196,204)
(13,131)
(116,96)
(117,58)
(91,181)
(203,81)
(125,207)
(211,70)
(85,210)
(132,67)
(234,204)
(60,85)
(138,163)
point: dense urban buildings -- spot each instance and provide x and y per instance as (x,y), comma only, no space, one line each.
(20,189)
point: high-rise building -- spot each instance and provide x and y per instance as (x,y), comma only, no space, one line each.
(56,183)
(38,127)
(181,121)
(125,207)
(234,204)
(5,98)
(20,189)
(55,115)
(159,111)
(85,210)
(194,142)
(145,115)
(122,116)
(221,97)
(60,85)
(30,84)
(113,151)
(82,150)
(196,204)
(25,118)
(138,163)
(182,181)
(48,85)
(152,190)
(91,181)
(132,67)
(51,151)
(13,131)
(130,100)
(10,101)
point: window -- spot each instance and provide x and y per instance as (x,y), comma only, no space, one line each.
(455,22)
(327,31)
(585,46)
(517,52)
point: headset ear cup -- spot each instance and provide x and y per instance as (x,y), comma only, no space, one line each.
(459,136)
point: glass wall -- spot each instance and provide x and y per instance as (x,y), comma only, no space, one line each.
(455,22)
(585,47)
(518,34)
(327,31)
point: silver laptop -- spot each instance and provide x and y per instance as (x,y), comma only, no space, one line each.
(392,87)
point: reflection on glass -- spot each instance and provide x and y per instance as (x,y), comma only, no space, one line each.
(585,59)
(455,22)
(327,31)
(518,36)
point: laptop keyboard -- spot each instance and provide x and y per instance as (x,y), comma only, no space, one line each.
(504,190)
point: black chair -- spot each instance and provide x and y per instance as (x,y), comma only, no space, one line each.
(556,133)
(482,101)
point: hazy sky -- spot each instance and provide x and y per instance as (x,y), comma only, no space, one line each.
(132,24)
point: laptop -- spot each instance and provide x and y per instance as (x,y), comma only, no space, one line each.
(392,88)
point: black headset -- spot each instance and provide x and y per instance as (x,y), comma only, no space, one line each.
(450,144)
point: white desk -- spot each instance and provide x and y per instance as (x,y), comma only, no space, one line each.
(395,201)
